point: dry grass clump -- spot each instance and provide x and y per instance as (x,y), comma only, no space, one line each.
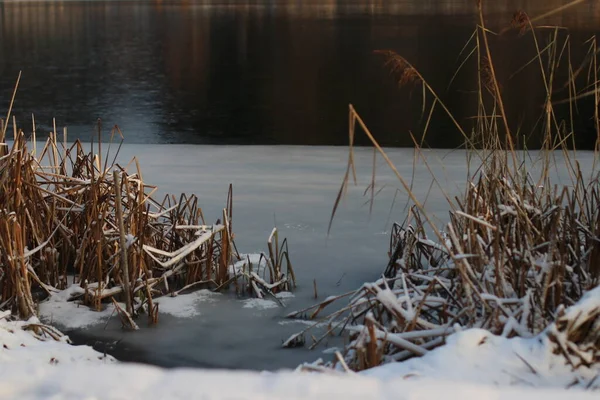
(513,255)
(269,274)
(67,214)
(576,333)
(517,250)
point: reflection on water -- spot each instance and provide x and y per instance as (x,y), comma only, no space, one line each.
(261,71)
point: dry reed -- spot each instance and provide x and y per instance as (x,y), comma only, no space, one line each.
(517,249)
(68,216)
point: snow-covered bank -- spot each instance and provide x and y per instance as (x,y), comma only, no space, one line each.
(474,364)
(477,357)
(119,382)
(22,346)
(566,354)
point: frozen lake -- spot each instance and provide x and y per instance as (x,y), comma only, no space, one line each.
(294,187)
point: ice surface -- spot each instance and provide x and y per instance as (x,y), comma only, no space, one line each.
(294,188)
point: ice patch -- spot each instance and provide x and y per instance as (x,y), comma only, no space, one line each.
(261,304)
(299,227)
(185,305)
(285,295)
(303,322)
(332,350)
(265,304)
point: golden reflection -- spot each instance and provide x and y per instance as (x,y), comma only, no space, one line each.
(275,58)
(582,14)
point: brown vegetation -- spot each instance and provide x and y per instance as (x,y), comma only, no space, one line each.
(517,250)
(70,216)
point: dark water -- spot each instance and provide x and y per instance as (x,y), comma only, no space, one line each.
(264,71)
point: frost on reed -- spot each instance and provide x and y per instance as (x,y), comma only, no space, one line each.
(71,215)
(517,251)
(513,255)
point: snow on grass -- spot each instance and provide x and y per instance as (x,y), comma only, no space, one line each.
(476,356)
(185,305)
(69,314)
(589,303)
(258,264)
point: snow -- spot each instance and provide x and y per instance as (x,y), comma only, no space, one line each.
(303,322)
(34,381)
(474,364)
(185,305)
(21,347)
(72,315)
(589,303)
(285,295)
(261,304)
(476,356)
(265,304)
(258,264)
(69,314)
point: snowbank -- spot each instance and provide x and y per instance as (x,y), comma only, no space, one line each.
(20,346)
(69,314)
(119,382)
(564,355)
(475,356)
(473,365)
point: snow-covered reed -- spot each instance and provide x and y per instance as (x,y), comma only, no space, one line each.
(518,248)
(69,216)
